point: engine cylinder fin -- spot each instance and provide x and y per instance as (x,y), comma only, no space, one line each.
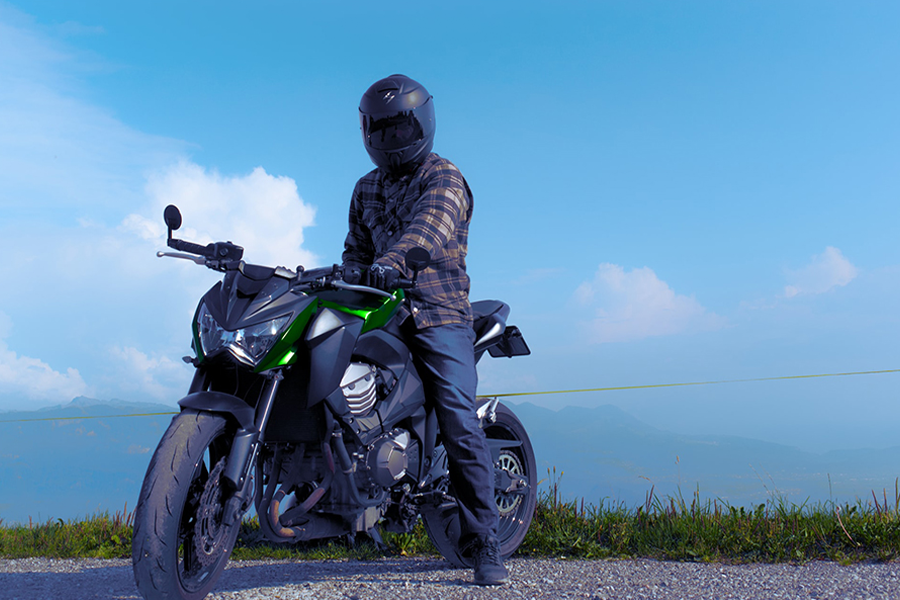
(360,387)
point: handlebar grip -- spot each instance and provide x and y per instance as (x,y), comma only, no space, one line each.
(405,284)
(184,246)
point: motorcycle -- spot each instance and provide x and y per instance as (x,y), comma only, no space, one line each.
(306,404)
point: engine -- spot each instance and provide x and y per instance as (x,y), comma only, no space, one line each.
(391,456)
(387,461)
(360,387)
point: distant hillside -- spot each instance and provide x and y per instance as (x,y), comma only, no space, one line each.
(71,468)
(607,453)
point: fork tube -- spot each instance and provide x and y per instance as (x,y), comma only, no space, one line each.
(266,402)
(246,442)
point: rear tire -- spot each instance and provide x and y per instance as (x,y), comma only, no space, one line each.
(180,546)
(516,509)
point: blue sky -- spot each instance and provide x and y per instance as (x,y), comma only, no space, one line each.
(664,191)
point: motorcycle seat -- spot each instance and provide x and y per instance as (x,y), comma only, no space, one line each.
(489,319)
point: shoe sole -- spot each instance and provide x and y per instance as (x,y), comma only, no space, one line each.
(492,583)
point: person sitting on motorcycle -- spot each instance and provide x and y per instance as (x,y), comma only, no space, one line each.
(416,198)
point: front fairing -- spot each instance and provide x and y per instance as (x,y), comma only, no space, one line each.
(247,298)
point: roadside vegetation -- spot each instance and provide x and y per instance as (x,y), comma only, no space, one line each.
(666,528)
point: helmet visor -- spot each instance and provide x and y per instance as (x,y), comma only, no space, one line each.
(395,131)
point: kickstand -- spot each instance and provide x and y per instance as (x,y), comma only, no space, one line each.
(376,537)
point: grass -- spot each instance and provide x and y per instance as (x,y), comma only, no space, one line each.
(667,528)
(674,528)
(100,536)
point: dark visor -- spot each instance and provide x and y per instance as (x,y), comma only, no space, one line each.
(392,131)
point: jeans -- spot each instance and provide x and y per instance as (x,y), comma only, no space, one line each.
(445,358)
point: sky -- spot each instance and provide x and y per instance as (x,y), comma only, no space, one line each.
(664,192)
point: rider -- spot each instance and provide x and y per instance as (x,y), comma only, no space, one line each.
(416,198)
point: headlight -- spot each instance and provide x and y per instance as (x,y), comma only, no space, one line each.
(249,345)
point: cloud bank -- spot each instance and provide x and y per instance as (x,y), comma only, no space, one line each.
(82,201)
(633,305)
(31,381)
(825,272)
(261,212)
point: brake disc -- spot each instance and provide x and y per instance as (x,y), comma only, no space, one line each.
(210,533)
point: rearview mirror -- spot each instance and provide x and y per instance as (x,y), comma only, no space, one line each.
(417,258)
(172,217)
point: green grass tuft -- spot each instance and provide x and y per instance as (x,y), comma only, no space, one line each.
(100,536)
(672,528)
(667,528)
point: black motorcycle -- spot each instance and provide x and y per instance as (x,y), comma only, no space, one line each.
(305,403)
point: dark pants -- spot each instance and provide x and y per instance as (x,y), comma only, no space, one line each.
(445,359)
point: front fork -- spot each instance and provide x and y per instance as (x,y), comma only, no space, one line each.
(244,449)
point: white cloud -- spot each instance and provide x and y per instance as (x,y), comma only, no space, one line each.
(82,201)
(825,272)
(636,305)
(261,212)
(158,377)
(26,382)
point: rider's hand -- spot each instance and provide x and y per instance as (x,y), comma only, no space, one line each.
(353,275)
(382,277)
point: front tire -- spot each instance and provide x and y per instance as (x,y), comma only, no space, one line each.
(180,545)
(516,509)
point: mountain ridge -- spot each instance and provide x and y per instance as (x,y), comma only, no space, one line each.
(73,467)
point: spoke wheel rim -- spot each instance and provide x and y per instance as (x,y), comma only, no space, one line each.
(507,503)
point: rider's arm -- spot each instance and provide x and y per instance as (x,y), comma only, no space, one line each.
(442,206)
(358,249)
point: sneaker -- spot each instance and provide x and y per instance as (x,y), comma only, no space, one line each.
(489,569)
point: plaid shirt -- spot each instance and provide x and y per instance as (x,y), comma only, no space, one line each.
(430,207)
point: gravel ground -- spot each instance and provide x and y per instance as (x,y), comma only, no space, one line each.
(429,579)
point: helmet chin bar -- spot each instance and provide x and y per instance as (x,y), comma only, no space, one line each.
(391,161)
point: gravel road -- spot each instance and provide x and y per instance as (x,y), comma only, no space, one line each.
(430,579)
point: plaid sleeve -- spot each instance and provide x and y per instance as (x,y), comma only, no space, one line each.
(358,247)
(438,213)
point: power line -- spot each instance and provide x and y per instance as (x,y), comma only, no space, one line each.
(88,417)
(514,394)
(662,385)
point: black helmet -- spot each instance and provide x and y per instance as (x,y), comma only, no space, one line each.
(396,116)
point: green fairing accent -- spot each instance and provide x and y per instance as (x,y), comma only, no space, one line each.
(380,317)
(374,317)
(362,313)
(278,355)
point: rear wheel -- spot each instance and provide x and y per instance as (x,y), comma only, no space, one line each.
(180,544)
(516,508)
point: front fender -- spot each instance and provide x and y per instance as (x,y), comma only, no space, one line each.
(220,402)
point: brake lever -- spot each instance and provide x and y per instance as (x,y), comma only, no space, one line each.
(360,288)
(200,260)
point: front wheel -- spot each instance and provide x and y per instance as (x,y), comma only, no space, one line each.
(180,544)
(516,508)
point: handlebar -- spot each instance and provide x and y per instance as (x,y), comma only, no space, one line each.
(334,277)
(191,247)
(216,251)
(222,256)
